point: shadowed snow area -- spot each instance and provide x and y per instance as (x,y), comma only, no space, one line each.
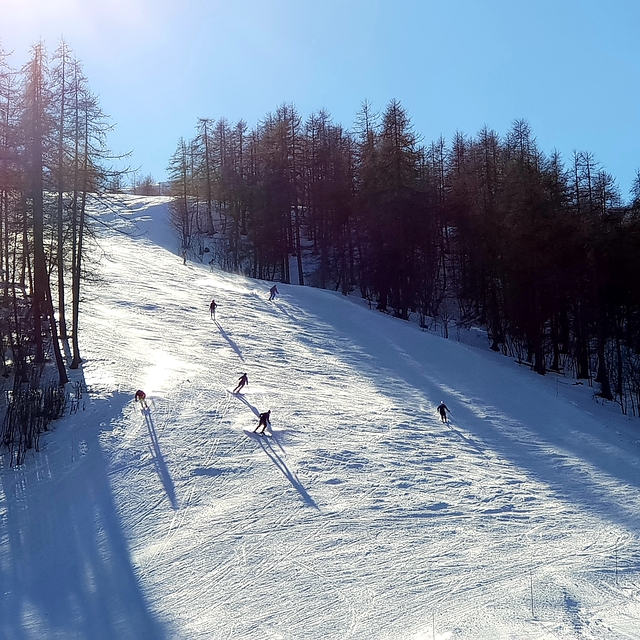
(361,516)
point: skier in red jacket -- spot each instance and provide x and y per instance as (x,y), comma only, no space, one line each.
(141,397)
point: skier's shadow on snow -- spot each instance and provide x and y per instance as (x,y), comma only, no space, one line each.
(277,459)
(289,315)
(202,471)
(469,441)
(232,344)
(158,459)
(286,472)
(241,397)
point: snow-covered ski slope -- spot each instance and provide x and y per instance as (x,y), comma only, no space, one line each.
(363,517)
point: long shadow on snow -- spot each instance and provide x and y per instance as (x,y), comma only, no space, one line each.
(232,344)
(158,459)
(277,460)
(437,369)
(286,472)
(242,398)
(204,471)
(65,569)
(279,307)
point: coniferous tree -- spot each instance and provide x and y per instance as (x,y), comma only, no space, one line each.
(181,179)
(61,85)
(487,230)
(204,140)
(34,126)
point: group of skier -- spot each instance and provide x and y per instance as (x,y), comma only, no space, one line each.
(264,421)
(273,292)
(264,418)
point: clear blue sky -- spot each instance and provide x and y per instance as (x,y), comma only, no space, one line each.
(569,67)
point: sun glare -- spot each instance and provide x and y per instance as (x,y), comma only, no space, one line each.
(26,22)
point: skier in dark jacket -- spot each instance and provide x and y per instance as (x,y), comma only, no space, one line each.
(212,309)
(264,422)
(273,292)
(442,410)
(241,382)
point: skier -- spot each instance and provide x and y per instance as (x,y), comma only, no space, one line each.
(265,422)
(442,410)
(241,382)
(141,397)
(212,309)
(184,256)
(273,292)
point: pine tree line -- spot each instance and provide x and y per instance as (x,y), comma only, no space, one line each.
(52,136)
(488,230)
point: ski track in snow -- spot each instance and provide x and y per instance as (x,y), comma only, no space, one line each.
(363,516)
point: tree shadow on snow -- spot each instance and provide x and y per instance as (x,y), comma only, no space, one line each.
(547,437)
(65,569)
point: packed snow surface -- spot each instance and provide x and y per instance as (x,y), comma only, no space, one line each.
(362,516)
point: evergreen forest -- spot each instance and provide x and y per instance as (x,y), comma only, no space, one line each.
(485,231)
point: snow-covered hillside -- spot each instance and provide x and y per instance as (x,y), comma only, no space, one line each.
(362,517)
